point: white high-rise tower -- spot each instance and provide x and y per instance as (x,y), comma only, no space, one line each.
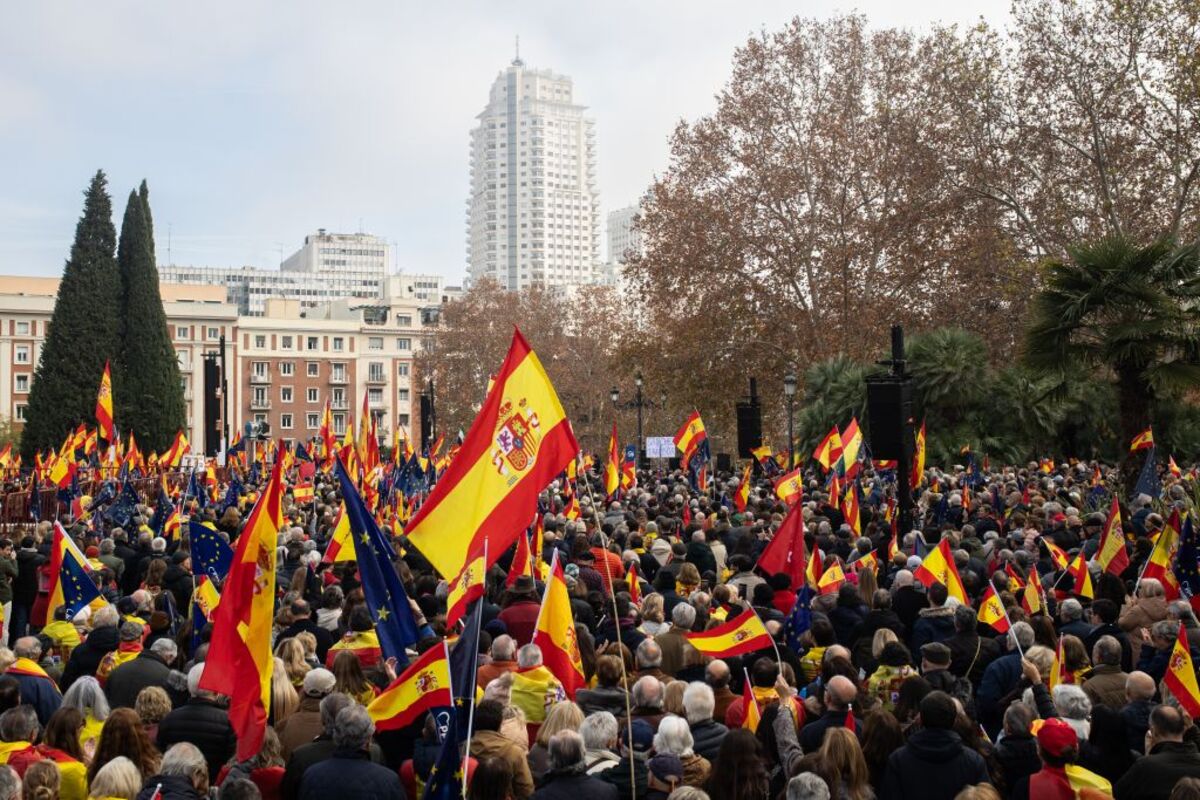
(534,215)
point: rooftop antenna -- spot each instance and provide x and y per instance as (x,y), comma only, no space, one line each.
(517,62)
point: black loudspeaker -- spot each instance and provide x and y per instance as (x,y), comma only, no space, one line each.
(749,427)
(674,463)
(889,407)
(212,407)
(724,462)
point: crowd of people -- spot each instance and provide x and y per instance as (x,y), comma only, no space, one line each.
(886,687)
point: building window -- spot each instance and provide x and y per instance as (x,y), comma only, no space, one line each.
(339,424)
(183,331)
(258,369)
(22,384)
(402,370)
(285,342)
(313,395)
(260,417)
(404,343)
(402,395)
(339,344)
(214,333)
(285,421)
(259,398)
(184,357)
(19,411)
(375,343)
(314,369)
(287,369)
(22,354)
(339,398)
(375,396)
(403,419)
(22,328)
(312,421)
(375,371)
(338,373)
(404,321)
(285,394)
(260,342)
(314,342)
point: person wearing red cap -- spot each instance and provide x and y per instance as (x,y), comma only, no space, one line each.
(1060,778)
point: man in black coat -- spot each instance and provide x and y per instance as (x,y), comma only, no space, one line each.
(348,773)
(24,587)
(302,622)
(934,765)
(104,638)
(201,721)
(970,653)
(568,778)
(1105,612)
(150,668)
(131,555)
(880,617)
(1169,759)
(320,749)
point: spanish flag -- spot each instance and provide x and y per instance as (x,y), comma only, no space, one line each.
(918,466)
(867,561)
(850,508)
(1058,556)
(519,442)
(992,612)
(104,407)
(1083,578)
(555,633)
(750,706)
(1112,555)
(741,498)
(1143,441)
(761,454)
(790,487)
(830,449)
(522,563)
(1173,468)
(179,448)
(852,440)
(938,567)
(744,633)
(1163,556)
(302,493)
(340,547)
(423,686)
(1031,600)
(241,639)
(1180,677)
(689,436)
(1058,667)
(466,589)
(206,596)
(612,466)
(537,547)
(831,579)
(815,569)
(635,586)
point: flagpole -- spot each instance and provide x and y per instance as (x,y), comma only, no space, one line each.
(475,656)
(778,658)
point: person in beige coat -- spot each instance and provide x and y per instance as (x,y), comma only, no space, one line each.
(1149,607)
(1105,683)
(488,742)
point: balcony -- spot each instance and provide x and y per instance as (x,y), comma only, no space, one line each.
(339,405)
(260,404)
(376,377)
(260,377)
(338,378)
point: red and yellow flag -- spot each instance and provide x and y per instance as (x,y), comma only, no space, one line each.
(340,547)
(850,508)
(519,442)
(612,467)
(1058,556)
(831,579)
(1180,676)
(829,450)
(939,567)
(241,639)
(741,498)
(555,633)
(635,587)
(1163,556)
(689,437)
(104,407)
(1058,667)
(424,685)
(1031,599)
(179,448)
(522,563)
(465,589)
(790,487)
(1112,555)
(991,611)
(750,706)
(1083,578)
(744,633)
(1143,441)
(918,466)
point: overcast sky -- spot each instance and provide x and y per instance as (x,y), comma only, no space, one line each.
(258,122)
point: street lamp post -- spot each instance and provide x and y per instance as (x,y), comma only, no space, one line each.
(639,403)
(789,391)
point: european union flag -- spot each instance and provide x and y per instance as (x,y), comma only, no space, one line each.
(799,621)
(446,776)
(386,599)
(237,447)
(1187,563)
(210,555)
(1148,482)
(121,512)
(35,500)
(78,588)
(196,489)
(231,495)
(162,512)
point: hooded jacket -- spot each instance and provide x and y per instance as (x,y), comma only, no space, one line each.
(932,625)
(934,765)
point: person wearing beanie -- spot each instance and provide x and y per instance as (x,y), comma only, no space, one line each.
(304,724)
(128,647)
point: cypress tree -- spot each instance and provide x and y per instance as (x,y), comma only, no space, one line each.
(144,196)
(84,329)
(146,382)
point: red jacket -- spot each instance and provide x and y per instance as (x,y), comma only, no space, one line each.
(520,619)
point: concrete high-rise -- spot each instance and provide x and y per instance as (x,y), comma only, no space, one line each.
(623,240)
(533,216)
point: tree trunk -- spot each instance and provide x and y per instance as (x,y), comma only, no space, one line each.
(1133,404)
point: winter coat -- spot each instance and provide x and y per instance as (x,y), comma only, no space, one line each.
(519,619)
(934,765)
(493,744)
(999,679)
(204,724)
(302,727)
(845,620)
(170,787)
(970,655)
(350,775)
(1142,613)
(1106,686)
(932,625)
(85,659)
(1155,775)
(575,786)
(307,756)
(126,681)
(602,698)
(1017,758)
(24,586)
(814,732)
(907,603)
(865,634)
(707,737)
(677,651)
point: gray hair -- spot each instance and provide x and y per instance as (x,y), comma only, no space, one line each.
(688,793)
(106,617)
(1022,634)
(1180,610)
(503,647)
(807,786)
(965,619)
(529,655)
(1071,701)
(598,730)
(27,647)
(332,705)
(353,728)
(184,760)
(674,737)
(86,695)
(698,702)
(649,654)
(1165,629)
(1070,610)
(165,648)
(19,724)
(10,783)
(193,679)
(683,615)
(1107,650)
(565,749)
(648,692)
(107,546)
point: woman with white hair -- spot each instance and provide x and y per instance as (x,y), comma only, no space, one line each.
(674,737)
(1073,707)
(86,695)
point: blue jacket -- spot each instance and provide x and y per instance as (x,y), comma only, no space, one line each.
(932,625)
(350,776)
(41,693)
(999,679)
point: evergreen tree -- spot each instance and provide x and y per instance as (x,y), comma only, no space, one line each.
(144,196)
(83,331)
(146,380)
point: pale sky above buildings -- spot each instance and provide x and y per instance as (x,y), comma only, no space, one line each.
(258,122)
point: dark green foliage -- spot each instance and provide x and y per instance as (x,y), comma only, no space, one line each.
(144,196)
(146,381)
(83,331)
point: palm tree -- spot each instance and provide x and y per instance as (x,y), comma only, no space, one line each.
(1128,311)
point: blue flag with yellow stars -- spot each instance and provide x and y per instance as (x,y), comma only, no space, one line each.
(446,774)
(386,599)
(799,621)
(210,555)
(78,588)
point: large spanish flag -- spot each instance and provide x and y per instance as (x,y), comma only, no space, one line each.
(239,661)
(744,633)
(1180,677)
(741,498)
(1162,557)
(1143,441)
(104,407)
(790,487)
(555,633)
(939,567)
(424,685)
(689,436)
(612,465)
(519,442)
(1112,555)
(918,466)
(829,450)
